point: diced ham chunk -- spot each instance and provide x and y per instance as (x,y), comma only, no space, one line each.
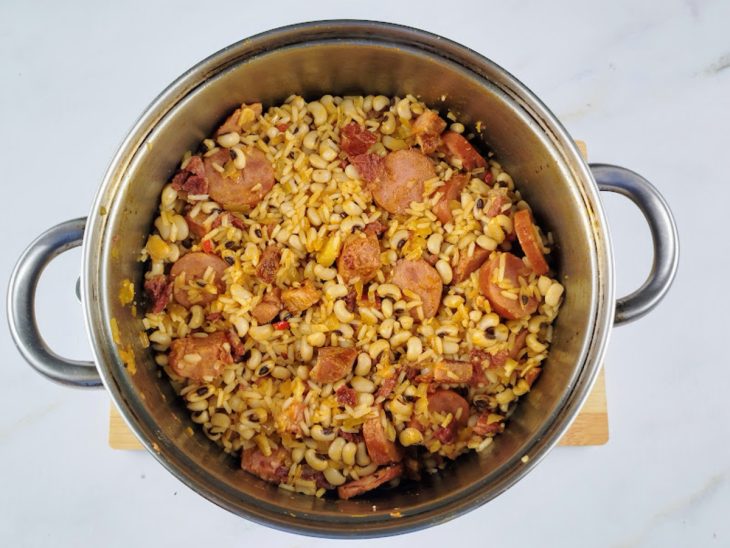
(458,148)
(269,263)
(360,258)
(298,299)
(200,357)
(468,264)
(380,448)
(368,483)
(191,179)
(428,128)
(405,171)
(346,396)
(483,427)
(452,372)
(272,468)
(423,280)
(194,266)
(376,228)
(450,193)
(333,363)
(385,389)
(494,289)
(241,119)
(528,238)
(268,308)
(448,401)
(356,140)
(237,189)
(159,291)
(370,167)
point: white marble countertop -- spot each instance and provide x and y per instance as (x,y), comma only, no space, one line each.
(646,84)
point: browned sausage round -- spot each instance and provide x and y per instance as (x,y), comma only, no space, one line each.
(380,448)
(368,483)
(239,189)
(492,288)
(402,182)
(458,148)
(468,264)
(194,265)
(448,401)
(527,235)
(427,128)
(333,363)
(200,357)
(360,257)
(451,191)
(423,280)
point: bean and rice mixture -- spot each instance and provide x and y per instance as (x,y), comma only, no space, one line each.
(347,293)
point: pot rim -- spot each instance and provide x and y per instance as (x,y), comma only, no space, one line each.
(94,286)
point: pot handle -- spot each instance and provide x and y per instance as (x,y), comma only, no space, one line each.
(664,238)
(21,307)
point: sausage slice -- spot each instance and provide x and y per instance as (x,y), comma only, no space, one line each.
(236,189)
(333,363)
(368,483)
(200,357)
(241,119)
(458,148)
(359,258)
(527,236)
(468,264)
(451,191)
(380,448)
(402,181)
(448,401)
(423,280)
(495,289)
(194,266)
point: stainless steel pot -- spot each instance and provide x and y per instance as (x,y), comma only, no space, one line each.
(340,57)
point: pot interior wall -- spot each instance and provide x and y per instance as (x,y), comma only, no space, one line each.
(358,67)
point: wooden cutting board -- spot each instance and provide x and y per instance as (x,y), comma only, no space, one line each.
(589,428)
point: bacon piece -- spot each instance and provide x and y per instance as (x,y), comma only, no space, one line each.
(423,280)
(354,437)
(351,299)
(356,140)
(359,258)
(233,220)
(346,395)
(333,363)
(528,238)
(237,348)
(159,291)
(200,357)
(298,299)
(402,182)
(450,193)
(194,266)
(452,372)
(196,224)
(269,263)
(387,387)
(492,288)
(532,375)
(380,448)
(427,128)
(518,344)
(483,427)
(368,483)
(458,148)
(237,189)
(446,434)
(272,468)
(238,122)
(468,264)
(268,308)
(370,167)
